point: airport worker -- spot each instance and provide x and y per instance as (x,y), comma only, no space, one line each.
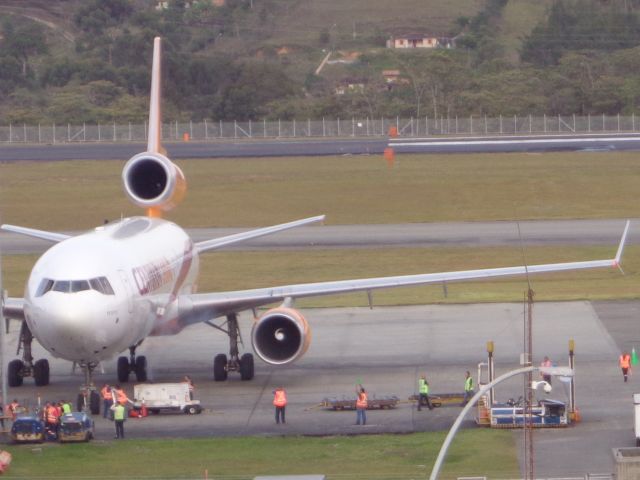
(280,402)
(119,413)
(546,363)
(192,387)
(468,388)
(625,364)
(13,408)
(361,405)
(51,418)
(120,396)
(423,393)
(66,407)
(107,399)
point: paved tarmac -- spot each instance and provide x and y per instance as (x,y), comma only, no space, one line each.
(532,233)
(387,349)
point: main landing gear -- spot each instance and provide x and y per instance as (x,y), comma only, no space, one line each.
(137,365)
(18,369)
(236,363)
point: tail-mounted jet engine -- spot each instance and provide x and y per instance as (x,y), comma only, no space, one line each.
(154,182)
(280,336)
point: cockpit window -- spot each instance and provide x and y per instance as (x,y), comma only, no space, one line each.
(44,287)
(100,284)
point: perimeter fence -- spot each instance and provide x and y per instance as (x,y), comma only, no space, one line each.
(355,127)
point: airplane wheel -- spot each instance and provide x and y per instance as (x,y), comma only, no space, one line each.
(246,366)
(123,369)
(141,368)
(41,372)
(14,371)
(94,402)
(220,367)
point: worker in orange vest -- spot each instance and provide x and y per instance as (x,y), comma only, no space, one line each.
(13,408)
(51,418)
(625,364)
(361,405)
(280,402)
(107,399)
(190,384)
(120,398)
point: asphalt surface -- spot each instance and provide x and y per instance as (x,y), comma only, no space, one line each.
(232,148)
(387,349)
(529,233)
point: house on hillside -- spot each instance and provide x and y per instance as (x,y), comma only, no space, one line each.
(163,5)
(350,85)
(414,40)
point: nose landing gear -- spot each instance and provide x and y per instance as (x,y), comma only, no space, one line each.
(88,398)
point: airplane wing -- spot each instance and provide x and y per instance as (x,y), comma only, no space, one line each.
(32,232)
(241,237)
(13,308)
(205,306)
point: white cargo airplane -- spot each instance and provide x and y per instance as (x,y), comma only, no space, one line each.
(92,296)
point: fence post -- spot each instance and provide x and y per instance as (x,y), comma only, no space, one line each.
(10,134)
(324,131)
(84,131)
(470,124)
(486,128)
(338,126)
(294,128)
(308,127)
(589,122)
(515,124)
(618,123)
(24,129)
(250,130)
(633,122)
(544,117)
(190,130)
(206,130)
(353,127)
(530,126)
(99,133)
(264,127)
(559,122)
(220,128)
(367,126)
(235,129)
(114,131)
(39,134)
(500,124)
(54,133)
(603,127)
(574,123)
(68,133)
(129,131)
(279,129)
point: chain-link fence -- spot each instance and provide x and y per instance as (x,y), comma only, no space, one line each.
(364,127)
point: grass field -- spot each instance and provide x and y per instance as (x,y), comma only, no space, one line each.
(474,452)
(350,189)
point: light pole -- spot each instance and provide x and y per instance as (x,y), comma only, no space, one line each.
(484,389)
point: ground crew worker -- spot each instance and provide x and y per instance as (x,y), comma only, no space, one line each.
(107,399)
(13,408)
(546,363)
(66,407)
(118,417)
(280,402)
(51,419)
(625,364)
(468,388)
(361,405)
(192,387)
(423,393)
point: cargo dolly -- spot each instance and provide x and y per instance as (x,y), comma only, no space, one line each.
(349,403)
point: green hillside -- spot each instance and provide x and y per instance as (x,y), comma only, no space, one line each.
(72,61)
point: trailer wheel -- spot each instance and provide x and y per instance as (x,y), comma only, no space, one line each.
(246,366)
(220,368)
(191,409)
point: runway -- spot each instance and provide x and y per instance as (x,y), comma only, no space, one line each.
(387,349)
(278,147)
(472,234)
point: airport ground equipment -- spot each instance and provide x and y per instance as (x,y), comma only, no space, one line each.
(27,429)
(636,416)
(349,403)
(165,397)
(548,413)
(76,427)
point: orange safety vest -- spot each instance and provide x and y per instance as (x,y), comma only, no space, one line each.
(52,415)
(362,400)
(106,393)
(280,398)
(625,361)
(121,396)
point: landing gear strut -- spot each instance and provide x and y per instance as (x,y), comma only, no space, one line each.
(137,365)
(88,398)
(19,369)
(235,363)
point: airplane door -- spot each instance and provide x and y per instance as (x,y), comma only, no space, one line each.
(128,290)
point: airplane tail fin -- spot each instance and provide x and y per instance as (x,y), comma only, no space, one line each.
(151,180)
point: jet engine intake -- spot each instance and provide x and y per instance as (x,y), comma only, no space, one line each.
(151,180)
(280,336)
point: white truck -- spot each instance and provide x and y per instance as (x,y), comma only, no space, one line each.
(158,397)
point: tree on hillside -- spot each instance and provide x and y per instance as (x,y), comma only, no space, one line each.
(22,42)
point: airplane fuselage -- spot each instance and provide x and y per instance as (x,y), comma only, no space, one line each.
(88,297)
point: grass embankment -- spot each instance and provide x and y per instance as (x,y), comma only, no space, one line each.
(474,452)
(350,190)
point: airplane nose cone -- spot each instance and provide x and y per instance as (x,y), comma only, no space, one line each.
(70,328)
